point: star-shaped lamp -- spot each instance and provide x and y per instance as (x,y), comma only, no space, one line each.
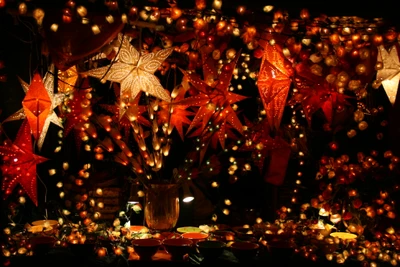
(38,106)
(389,75)
(135,72)
(20,164)
(274,83)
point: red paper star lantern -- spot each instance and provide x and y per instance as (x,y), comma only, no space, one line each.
(20,164)
(215,117)
(274,83)
(316,93)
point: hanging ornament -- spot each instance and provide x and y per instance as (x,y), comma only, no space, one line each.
(20,164)
(175,115)
(390,73)
(67,80)
(274,83)
(38,105)
(135,73)
(215,118)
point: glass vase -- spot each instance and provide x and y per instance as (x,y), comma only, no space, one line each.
(161,209)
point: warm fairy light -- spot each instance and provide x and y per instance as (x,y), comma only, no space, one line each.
(227,202)
(95,29)
(38,15)
(22,200)
(214,184)
(99,191)
(176,13)
(82,11)
(217,4)
(66,212)
(101,252)
(22,8)
(241,10)
(52,172)
(54,27)
(268,8)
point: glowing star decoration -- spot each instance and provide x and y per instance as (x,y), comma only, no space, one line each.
(135,72)
(20,164)
(176,116)
(67,80)
(215,116)
(38,106)
(214,98)
(316,93)
(390,73)
(273,83)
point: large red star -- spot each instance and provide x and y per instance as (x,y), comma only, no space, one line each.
(215,116)
(20,164)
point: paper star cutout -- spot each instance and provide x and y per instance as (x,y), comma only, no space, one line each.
(135,72)
(390,73)
(273,83)
(20,164)
(38,106)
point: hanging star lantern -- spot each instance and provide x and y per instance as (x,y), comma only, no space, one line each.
(38,106)
(20,164)
(215,117)
(316,93)
(135,72)
(214,98)
(390,73)
(273,83)
(67,80)
(175,115)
